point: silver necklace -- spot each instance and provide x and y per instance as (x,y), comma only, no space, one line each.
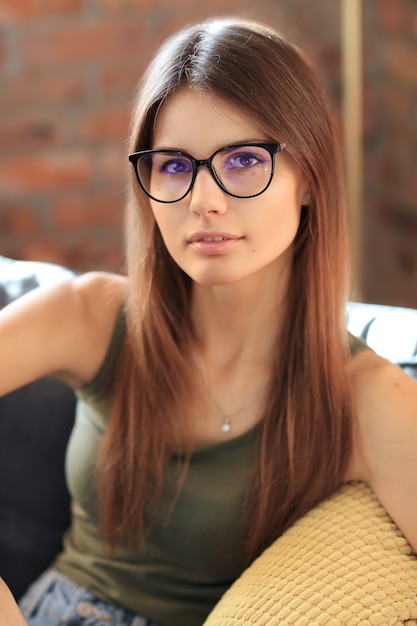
(227,418)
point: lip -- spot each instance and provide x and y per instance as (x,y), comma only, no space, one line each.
(212,242)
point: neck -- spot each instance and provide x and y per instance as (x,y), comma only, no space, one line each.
(236,328)
(235,324)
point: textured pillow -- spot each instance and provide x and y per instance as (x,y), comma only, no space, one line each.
(343,564)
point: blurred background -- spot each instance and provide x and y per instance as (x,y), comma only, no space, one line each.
(68,74)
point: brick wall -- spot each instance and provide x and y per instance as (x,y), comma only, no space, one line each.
(390,135)
(68,71)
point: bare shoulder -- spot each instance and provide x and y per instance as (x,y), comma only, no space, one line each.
(98,298)
(99,295)
(62,330)
(9,611)
(386,442)
(384,393)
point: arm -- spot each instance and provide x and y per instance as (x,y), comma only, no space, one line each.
(387,414)
(10,614)
(59,331)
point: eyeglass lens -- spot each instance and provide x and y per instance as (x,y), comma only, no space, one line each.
(243,171)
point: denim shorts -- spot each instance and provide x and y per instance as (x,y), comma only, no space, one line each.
(54,600)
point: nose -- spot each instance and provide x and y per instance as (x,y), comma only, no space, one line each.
(206,197)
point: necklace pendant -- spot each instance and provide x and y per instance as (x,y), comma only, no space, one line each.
(226,426)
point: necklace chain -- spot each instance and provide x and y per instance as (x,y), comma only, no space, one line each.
(227,417)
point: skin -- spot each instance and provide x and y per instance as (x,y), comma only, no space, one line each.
(238,291)
(10,614)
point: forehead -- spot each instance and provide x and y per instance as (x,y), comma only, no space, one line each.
(199,123)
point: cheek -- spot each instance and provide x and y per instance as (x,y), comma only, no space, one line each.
(280,225)
(168,225)
(162,218)
(283,216)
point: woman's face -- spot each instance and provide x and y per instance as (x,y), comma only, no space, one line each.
(215,238)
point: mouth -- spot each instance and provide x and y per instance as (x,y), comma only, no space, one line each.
(212,238)
(213,244)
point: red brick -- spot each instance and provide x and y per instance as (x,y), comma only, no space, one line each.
(29,9)
(48,250)
(45,170)
(401,60)
(124,6)
(17,217)
(88,208)
(91,252)
(121,82)
(30,128)
(2,51)
(113,165)
(24,90)
(107,124)
(397,101)
(75,43)
(395,17)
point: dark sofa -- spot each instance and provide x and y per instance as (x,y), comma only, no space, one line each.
(35,423)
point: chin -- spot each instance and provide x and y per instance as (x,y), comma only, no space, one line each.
(217,279)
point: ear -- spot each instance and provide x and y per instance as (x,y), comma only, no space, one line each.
(306,199)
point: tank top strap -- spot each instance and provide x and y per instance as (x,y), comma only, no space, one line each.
(101,384)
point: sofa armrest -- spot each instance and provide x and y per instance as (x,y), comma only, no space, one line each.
(390,331)
(19,277)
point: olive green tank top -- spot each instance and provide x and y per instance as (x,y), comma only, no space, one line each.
(194,552)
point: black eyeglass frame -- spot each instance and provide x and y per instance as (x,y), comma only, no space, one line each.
(272,148)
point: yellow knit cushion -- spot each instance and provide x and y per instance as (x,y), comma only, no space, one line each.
(344,564)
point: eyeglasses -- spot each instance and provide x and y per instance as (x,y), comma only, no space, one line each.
(241,170)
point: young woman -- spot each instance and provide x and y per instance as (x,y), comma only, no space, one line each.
(220,397)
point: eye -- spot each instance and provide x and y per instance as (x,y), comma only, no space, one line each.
(243,160)
(175,166)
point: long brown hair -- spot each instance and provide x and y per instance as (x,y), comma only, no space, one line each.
(305,439)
